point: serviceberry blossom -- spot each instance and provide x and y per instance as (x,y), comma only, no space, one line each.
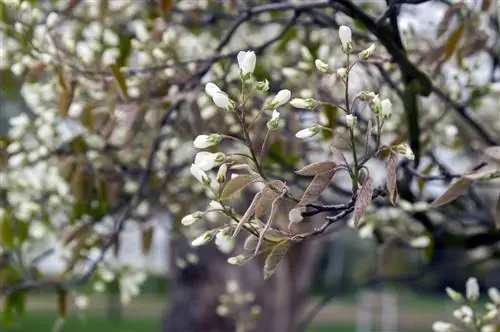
(200,175)
(219,97)
(246,62)
(207,160)
(303,103)
(308,132)
(205,141)
(494,295)
(192,218)
(281,98)
(203,239)
(345,36)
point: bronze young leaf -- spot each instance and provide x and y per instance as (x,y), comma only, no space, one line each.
(363,200)
(392,178)
(269,194)
(456,189)
(236,184)
(274,259)
(316,168)
(318,184)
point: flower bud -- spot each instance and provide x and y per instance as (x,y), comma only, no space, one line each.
(273,123)
(236,260)
(303,103)
(203,239)
(221,174)
(205,141)
(345,36)
(211,89)
(200,175)
(308,132)
(207,160)
(222,100)
(246,62)
(367,53)
(321,66)
(281,98)
(192,218)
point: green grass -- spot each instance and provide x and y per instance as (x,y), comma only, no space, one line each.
(43,322)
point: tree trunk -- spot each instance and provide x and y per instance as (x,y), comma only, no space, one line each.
(195,289)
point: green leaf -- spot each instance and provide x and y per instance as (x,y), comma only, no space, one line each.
(120,79)
(236,184)
(274,259)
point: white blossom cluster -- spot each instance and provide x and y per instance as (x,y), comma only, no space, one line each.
(469,314)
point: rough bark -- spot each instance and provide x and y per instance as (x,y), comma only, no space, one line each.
(195,289)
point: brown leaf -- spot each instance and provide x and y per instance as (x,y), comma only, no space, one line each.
(268,196)
(236,184)
(272,216)
(363,200)
(493,152)
(62,302)
(274,259)
(445,21)
(147,239)
(248,214)
(318,184)
(483,175)
(392,178)
(455,190)
(497,212)
(485,5)
(316,168)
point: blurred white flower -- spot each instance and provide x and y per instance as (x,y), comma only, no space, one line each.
(472,289)
(321,66)
(273,123)
(367,53)
(224,242)
(440,326)
(81,302)
(386,111)
(420,242)
(494,295)
(405,150)
(351,120)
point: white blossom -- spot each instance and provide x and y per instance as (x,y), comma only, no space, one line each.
(205,141)
(342,73)
(200,175)
(345,36)
(208,160)
(405,150)
(295,215)
(472,289)
(222,100)
(202,239)
(281,98)
(246,62)
(211,89)
(224,242)
(52,19)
